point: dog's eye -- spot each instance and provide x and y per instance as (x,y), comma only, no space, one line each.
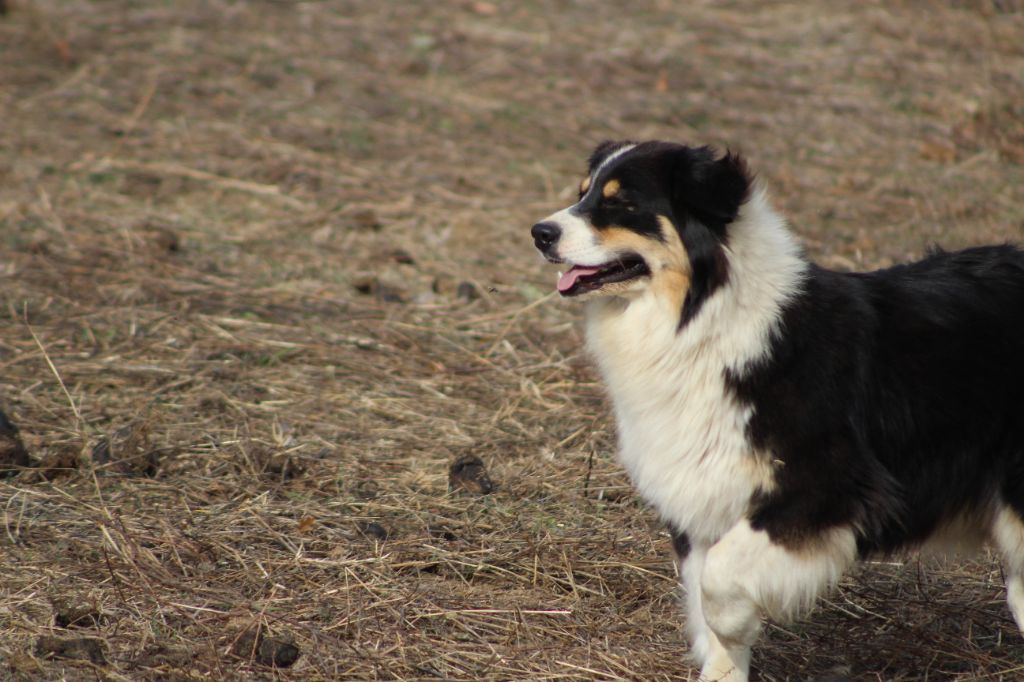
(620,204)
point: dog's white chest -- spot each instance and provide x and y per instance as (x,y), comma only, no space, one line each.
(681,434)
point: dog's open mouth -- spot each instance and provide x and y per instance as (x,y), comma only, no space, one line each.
(583,278)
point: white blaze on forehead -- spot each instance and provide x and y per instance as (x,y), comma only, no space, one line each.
(611,157)
(576,232)
(591,180)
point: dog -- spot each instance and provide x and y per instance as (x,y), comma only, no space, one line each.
(782,418)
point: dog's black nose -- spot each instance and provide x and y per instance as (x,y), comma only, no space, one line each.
(545,235)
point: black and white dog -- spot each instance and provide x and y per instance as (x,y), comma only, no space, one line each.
(782,418)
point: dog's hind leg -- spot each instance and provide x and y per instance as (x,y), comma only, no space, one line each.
(746,575)
(690,565)
(1008,534)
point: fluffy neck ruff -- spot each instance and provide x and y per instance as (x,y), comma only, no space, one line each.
(681,430)
(734,326)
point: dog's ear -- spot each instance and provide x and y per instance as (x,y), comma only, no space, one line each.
(603,151)
(706,196)
(710,189)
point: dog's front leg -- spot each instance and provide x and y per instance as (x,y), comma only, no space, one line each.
(689,566)
(746,575)
(733,620)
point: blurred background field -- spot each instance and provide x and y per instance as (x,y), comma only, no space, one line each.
(296,398)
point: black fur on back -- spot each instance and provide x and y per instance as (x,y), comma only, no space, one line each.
(893,400)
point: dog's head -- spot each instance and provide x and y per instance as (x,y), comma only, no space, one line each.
(650,216)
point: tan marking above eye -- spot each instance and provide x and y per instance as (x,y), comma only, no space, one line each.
(611,188)
(585,185)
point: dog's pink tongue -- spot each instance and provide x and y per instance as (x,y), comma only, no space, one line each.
(568,279)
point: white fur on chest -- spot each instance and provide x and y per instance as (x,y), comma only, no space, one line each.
(682,434)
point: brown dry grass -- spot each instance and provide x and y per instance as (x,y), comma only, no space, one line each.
(265,275)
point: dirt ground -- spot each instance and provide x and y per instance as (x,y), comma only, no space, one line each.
(266,289)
